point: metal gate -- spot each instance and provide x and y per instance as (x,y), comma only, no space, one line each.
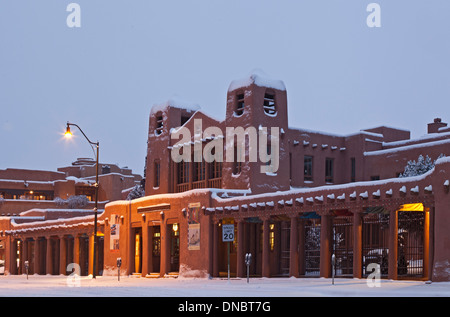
(375,240)
(343,245)
(410,243)
(312,246)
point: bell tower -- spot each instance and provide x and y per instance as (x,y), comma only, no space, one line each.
(258,105)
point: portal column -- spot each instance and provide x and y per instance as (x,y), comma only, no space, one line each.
(301,248)
(49,259)
(393,249)
(37,256)
(325,246)
(216,249)
(76,249)
(165,249)
(357,244)
(62,255)
(145,248)
(293,244)
(266,248)
(91,255)
(24,255)
(240,248)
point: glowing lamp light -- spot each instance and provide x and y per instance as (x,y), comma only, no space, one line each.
(175,227)
(68,133)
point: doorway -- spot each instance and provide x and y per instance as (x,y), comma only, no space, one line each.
(175,248)
(137,250)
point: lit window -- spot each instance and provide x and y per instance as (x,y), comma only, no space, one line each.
(272,236)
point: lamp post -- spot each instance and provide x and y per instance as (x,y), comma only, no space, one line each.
(69,134)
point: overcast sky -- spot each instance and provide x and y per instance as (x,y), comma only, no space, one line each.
(341,76)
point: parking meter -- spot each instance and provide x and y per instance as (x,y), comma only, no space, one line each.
(119,264)
(248,261)
(26,267)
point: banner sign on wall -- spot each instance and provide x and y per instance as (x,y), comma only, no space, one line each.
(115,233)
(193,226)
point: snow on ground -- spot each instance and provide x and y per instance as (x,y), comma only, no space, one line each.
(109,286)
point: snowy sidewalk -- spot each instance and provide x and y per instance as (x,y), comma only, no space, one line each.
(108,286)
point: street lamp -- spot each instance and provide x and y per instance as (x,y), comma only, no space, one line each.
(68,134)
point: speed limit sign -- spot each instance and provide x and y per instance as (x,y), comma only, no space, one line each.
(228,233)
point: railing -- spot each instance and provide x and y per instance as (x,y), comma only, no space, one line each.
(182,187)
(211,183)
(199,184)
(215,183)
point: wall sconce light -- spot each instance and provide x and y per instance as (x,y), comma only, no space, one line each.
(175,227)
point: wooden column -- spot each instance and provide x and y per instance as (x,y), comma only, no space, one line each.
(146,248)
(37,256)
(266,249)
(91,255)
(62,255)
(216,245)
(49,258)
(24,255)
(240,269)
(326,242)
(357,244)
(301,248)
(165,249)
(294,247)
(426,243)
(76,249)
(393,247)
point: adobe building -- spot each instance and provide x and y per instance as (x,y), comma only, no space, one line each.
(330,195)
(47,214)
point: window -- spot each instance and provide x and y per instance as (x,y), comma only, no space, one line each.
(156,249)
(272,236)
(182,172)
(199,171)
(269,104)
(157,168)
(290,166)
(237,166)
(308,168)
(375,178)
(353,173)
(215,169)
(329,170)
(106,169)
(240,104)
(159,123)
(184,119)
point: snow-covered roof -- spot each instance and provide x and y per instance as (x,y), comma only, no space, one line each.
(259,78)
(175,102)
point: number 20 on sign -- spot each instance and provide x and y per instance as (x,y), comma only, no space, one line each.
(228,233)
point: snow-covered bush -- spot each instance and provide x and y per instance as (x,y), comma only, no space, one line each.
(420,167)
(73,202)
(137,192)
(77,201)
